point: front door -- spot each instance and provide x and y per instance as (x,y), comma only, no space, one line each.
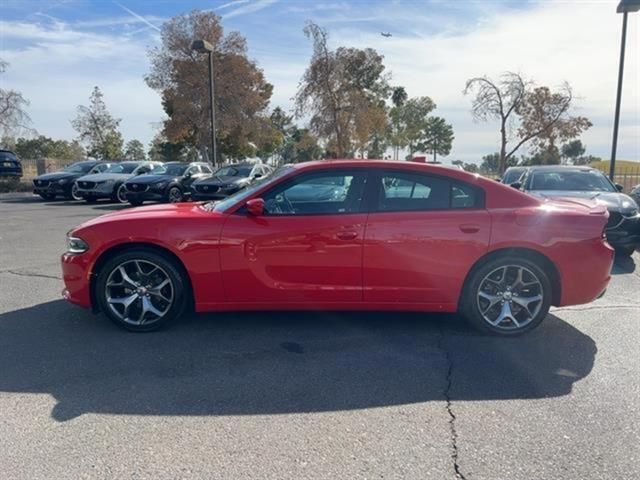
(306,248)
(422,235)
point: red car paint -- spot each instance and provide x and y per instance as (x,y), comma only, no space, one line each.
(410,260)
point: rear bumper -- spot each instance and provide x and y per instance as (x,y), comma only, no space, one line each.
(76,274)
(585,271)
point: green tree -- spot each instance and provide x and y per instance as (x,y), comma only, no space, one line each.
(45,147)
(437,137)
(343,91)
(134,150)
(572,150)
(98,129)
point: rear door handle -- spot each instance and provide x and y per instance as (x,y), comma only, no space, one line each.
(348,235)
(469,228)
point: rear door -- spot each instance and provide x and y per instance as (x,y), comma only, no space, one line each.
(423,234)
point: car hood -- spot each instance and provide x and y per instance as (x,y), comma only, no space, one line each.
(614,201)
(101,177)
(51,177)
(149,179)
(221,180)
(152,213)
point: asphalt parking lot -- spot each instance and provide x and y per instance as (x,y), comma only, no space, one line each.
(304,395)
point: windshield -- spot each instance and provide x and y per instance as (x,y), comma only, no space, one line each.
(121,168)
(571,180)
(78,167)
(512,175)
(247,192)
(173,169)
(7,156)
(234,171)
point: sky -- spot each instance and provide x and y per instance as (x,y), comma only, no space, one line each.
(59,49)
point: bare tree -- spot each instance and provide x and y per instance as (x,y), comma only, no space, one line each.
(13,115)
(498,100)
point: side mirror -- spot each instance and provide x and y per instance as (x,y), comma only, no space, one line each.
(619,187)
(516,185)
(255,207)
(257,175)
(187,175)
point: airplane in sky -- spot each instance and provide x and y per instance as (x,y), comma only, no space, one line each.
(386,34)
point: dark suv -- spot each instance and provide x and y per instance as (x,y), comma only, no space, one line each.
(49,185)
(228,180)
(623,227)
(10,166)
(168,182)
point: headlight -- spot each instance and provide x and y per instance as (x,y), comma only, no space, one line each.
(62,181)
(160,185)
(76,245)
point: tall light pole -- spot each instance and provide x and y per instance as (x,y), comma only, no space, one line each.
(624,7)
(202,46)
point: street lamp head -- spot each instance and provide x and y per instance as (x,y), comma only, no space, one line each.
(628,6)
(202,46)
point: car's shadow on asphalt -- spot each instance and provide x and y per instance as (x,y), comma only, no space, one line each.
(276,363)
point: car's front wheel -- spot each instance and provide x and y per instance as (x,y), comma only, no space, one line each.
(72,193)
(507,296)
(141,290)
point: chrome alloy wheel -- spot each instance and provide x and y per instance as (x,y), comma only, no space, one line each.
(510,297)
(139,292)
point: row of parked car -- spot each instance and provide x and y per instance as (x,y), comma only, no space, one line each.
(585,183)
(138,181)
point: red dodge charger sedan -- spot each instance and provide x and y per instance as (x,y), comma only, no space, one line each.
(345,235)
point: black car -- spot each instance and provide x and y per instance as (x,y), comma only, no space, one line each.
(168,182)
(228,180)
(50,185)
(623,227)
(10,166)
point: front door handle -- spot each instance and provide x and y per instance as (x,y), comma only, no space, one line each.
(469,228)
(347,235)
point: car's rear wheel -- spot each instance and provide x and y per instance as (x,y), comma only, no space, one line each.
(174,195)
(507,296)
(141,290)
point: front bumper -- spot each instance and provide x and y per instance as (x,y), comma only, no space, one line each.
(625,234)
(54,188)
(76,274)
(100,191)
(143,196)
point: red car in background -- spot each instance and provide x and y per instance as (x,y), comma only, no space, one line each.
(345,235)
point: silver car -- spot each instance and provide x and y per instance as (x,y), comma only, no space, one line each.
(108,184)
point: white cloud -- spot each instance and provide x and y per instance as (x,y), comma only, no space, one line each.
(249,8)
(553,42)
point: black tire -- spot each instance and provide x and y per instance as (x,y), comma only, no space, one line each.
(119,195)
(470,301)
(71,193)
(47,196)
(174,272)
(174,194)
